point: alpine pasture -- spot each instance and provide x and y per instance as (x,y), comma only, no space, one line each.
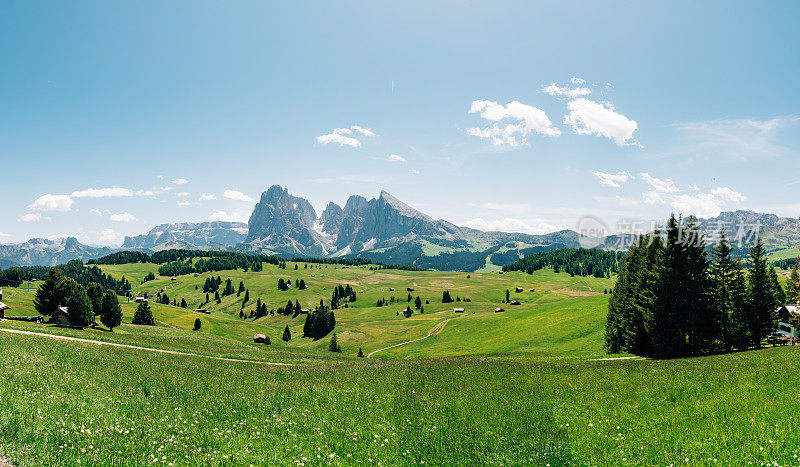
(523,386)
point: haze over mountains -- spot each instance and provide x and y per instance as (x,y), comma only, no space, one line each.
(383,229)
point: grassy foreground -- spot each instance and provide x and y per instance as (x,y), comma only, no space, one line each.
(65,402)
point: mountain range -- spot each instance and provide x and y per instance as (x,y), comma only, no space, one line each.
(382,229)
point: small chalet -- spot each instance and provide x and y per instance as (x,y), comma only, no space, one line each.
(499,310)
(520,290)
(140,300)
(259,338)
(786,314)
(409,289)
(3,308)
(513,302)
(531,290)
(60,316)
(458,310)
(202,310)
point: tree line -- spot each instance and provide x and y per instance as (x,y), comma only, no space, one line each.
(83,303)
(574,261)
(674,297)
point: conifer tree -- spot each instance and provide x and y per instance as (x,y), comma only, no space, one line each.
(793,284)
(143,315)
(80,306)
(360,352)
(197,324)
(334,346)
(47,298)
(418,303)
(762,298)
(724,273)
(287,335)
(111,315)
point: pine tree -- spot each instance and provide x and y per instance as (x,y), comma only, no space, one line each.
(287,335)
(793,284)
(95,293)
(143,315)
(740,329)
(246,298)
(508,295)
(360,352)
(197,324)
(777,290)
(418,303)
(184,304)
(241,288)
(216,297)
(80,307)
(47,298)
(111,314)
(724,273)
(762,298)
(333,346)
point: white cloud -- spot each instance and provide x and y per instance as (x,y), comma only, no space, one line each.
(179,181)
(184,203)
(659,185)
(160,177)
(208,197)
(48,202)
(740,139)
(237,196)
(112,192)
(555,90)
(344,136)
(414,171)
(223,216)
(700,205)
(31,217)
(510,225)
(4,235)
(576,80)
(587,117)
(527,119)
(726,194)
(396,158)
(123,217)
(613,180)
(503,207)
(110,237)
(96,211)
(363,131)
(146,192)
(183,194)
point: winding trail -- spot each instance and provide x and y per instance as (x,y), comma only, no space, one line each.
(126,346)
(434,331)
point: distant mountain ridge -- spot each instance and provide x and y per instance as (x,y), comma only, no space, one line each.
(189,235)
(46,252)
(382,229)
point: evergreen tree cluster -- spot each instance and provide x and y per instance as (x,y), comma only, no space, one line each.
(574,261)
(319,323)
(83,303)
(674,298)
(212,284)
(149,277)
(342,294)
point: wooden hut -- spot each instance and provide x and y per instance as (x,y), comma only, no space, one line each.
(3,308)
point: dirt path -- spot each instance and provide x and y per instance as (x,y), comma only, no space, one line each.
(434,331)
(126,346)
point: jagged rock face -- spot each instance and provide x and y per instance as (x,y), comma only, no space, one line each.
(217,233)
(282,220)
(331,219)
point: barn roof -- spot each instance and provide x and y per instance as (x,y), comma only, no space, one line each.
(3,306)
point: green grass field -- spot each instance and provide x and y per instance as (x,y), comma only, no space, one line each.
(511,388)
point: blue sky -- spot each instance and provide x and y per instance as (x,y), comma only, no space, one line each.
(520,116)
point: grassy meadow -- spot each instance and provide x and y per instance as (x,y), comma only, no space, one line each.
(518,387)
